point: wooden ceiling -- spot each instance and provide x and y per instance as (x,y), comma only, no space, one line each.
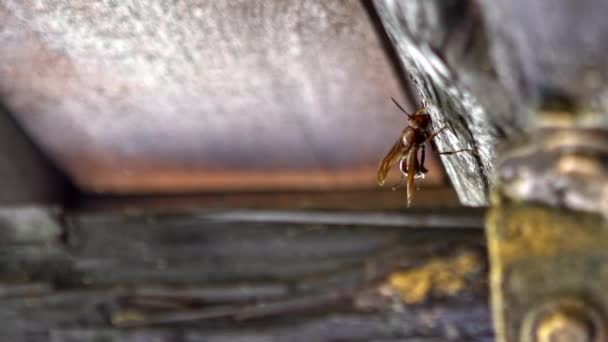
(183,97)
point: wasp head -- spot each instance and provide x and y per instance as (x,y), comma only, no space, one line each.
(420,120)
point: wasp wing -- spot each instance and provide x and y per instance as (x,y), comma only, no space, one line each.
(398,150)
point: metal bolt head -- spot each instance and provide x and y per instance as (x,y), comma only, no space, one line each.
(565,319)
(561,327)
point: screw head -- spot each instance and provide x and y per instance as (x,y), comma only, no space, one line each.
(564,320)
(563,327)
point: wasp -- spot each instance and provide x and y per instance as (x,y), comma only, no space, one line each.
(409,150)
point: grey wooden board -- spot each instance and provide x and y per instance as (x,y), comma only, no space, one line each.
(227,276)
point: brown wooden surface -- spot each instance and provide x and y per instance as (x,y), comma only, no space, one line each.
(185,97)
(360,200)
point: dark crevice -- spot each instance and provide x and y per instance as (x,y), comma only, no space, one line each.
(49,184)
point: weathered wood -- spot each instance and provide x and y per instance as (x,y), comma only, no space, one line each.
(443,48)
(495,70)
(244,276)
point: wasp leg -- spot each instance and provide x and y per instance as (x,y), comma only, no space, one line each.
(430,137)
(418,182)
(421,169)
(398,185)
(403,169)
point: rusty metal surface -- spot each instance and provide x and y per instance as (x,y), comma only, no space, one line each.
(165,96)
(547,233)
(547,263)
(559,167)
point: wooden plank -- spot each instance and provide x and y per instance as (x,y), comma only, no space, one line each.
(360,200)
(230,276)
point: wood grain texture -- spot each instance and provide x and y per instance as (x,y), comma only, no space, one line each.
(443,48)
(494,71)
(219,276)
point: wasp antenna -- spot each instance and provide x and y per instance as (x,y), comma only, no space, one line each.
(399,106)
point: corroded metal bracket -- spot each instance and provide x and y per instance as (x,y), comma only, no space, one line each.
(549,274)
(547,231)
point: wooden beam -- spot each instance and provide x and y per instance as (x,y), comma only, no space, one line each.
(222,275)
